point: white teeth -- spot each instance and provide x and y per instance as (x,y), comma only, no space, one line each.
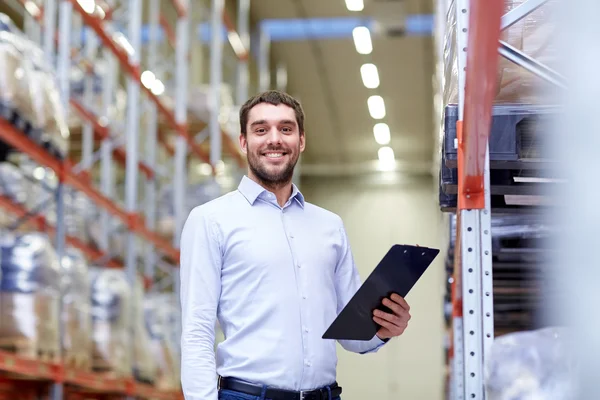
(274,155)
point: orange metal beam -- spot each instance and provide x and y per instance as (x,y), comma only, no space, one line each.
(480,91)
(242,54)
(169,32)
(43,225)
(18,140)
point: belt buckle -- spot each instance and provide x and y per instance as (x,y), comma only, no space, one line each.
(310,395)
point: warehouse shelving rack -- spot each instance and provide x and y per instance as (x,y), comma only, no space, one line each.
(61,41)
(469,188)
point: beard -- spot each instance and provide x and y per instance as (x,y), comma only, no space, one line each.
(281,176)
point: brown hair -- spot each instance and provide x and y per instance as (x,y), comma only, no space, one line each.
(276,98)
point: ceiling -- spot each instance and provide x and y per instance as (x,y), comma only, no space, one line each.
(325,76)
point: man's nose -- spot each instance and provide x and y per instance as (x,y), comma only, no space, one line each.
(274,136)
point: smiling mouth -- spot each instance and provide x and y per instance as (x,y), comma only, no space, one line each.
(274,154)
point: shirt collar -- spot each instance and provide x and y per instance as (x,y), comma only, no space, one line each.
(252,190)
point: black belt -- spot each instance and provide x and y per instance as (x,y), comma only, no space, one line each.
(279,394)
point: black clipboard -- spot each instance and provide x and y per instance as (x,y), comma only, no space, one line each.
(397,272)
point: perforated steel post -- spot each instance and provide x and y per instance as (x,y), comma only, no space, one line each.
(474,228)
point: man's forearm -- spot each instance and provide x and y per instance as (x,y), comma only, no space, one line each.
(198,370)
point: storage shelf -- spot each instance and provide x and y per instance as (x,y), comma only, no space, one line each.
(21,142)
(34,369)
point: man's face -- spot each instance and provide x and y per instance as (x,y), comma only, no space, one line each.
(273,143)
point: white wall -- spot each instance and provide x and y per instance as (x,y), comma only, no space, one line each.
(410,367)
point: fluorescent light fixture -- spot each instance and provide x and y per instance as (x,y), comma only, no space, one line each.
(148,78)
(88,5)
(381,131)
(362,40)
(370,76)
(355,5)
(157,88)
(387,160)
(376,107)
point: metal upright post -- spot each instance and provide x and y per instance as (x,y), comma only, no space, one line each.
(242,65)
(131,168)
(63,71)
(216,60)
(106,147)
(90,49)
(477,32)
(264,72)
(181,100)
(151,139)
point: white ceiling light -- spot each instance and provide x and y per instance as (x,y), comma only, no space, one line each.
(370,76)
(362,40)
(387,160)
(376,107)
(382,133)
(355,5)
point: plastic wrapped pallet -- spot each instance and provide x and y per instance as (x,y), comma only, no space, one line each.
(29,296)
(29,92)
(111,321)
(77,319)
(158,310)
(531,35)
(531,365)
(145,365)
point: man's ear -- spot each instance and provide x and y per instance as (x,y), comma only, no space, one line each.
(302,142)
(243,143)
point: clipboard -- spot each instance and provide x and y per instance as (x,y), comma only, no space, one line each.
(397,272)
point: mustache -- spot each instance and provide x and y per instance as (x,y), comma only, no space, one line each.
(275,148)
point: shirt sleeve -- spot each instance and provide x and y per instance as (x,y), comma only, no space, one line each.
(347,281)
(200,283)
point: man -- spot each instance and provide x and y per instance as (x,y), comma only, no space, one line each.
(275,270)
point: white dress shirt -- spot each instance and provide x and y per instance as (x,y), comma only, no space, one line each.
(275,277)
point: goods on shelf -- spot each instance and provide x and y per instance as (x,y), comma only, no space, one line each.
(29,296)
(158,312)
(77,341)
(145,365)
(531,35)
(111,299)
(531,365)
(29,95)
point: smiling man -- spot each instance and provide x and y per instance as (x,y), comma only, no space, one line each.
(274,270)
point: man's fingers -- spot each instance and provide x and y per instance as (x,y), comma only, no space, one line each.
(386,324)
(395,307)
(386,316)
(399,300)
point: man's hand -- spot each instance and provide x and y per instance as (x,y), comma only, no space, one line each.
(392,324)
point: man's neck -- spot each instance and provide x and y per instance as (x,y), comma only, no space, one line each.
(281,191)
